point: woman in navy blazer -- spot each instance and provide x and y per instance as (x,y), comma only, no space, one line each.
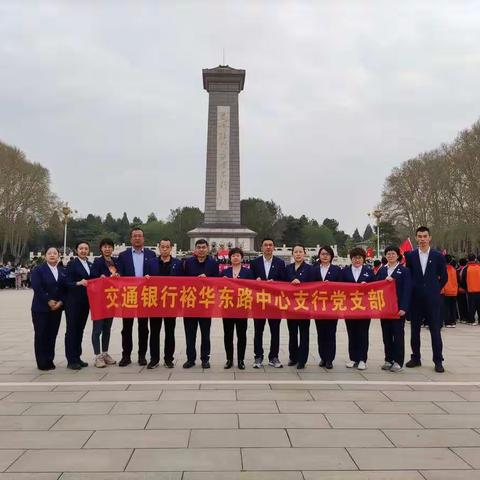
(76,305)
(296,273)
(357,329)
(240,324)
(393,330)
(324,271)
(103,266)
(48,283)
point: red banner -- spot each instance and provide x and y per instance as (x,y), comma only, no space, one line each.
(233,298)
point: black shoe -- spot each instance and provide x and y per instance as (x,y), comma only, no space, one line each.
(74,366)
(168,364)
(124,362)
(300,366)
(228,365)
(206,364)
(241,365)
(82,363)
(189,364)
(142,361)
(152,365)
(328,365)
(44,368)
(51,366)
(322,363)
(413,363)
(291,363)
(439,368)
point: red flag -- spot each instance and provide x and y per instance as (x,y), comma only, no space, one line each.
(406,246)
(370,252)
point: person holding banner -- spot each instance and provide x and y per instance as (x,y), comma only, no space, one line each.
(296,273)
(393,330)
(267,267)
(103,266)
(357,329)
(240,324)
(164,266)
(77,307)
(135,262)
(200,265)
(324,271)
(48,283)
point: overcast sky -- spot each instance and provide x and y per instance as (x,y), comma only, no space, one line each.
(108,96)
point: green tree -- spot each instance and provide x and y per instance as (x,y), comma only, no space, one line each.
(368,234)
(152,218)
(180,221)
(356,237)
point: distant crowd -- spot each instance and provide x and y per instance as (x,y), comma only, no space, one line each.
(15,277)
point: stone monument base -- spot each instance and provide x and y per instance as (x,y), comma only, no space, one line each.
(227,236)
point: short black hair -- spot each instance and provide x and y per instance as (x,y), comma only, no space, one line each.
(166,240)
(235,250)
(393,248)
(328,249)
(201,241)
(80,242)
(463,261)
(422,228)
(357,252)
(268,239)
(49,247)
(136,228)
(106,241)
(471,257)
(299,245)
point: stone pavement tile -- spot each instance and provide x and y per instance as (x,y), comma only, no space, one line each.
(200,375)
(193,421)
(122,476)
(236,407)
(471,396)
(22,422)
(242,476)
(199,395)
(68,377)
(399,407)
(365,475)
(28,476)
(7,457)
(167,406)
(373,386)
(89,388)
(38,397)
(274,395)
(235,386)
(178,459)
(17,378)
(402,376)
(101,422)
(451,474)
(332,376)
(256,375)
(350,395)
(80,460)
(239,438)
(317,407)
(4,394)
(470,454)
(453,388)
(337,438)
(133,377)
(72,408)
(372,420)
(283,420)
(460,407)
(139,439)
(406,458)
(163,386)
(26,388)
(13,408)
(434,438)
(305,386)
(297,459)
(48,439)
(423,396)
(447,421)
(122,396)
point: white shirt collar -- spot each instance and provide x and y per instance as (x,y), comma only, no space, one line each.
(54,271)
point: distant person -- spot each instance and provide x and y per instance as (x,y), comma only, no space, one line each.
(471,283)
(462,293)
(449,293)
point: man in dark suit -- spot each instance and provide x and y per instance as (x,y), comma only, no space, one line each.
(429,275)
(267,267)
(135,262)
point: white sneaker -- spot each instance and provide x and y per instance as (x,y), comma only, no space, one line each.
(275,362)
(100,362)
(396,367)
(108,359)
(351,364)
(257,363)
(387,366)
(362,365)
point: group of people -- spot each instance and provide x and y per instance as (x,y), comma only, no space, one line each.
(419,283)
(14,277)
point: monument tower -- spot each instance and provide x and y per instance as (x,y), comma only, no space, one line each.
(222,225)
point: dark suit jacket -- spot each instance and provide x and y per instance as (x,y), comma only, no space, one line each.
(125,262)
(193,268)
(176,267)
(427,287)
(366,275)
(403,284)
(46,288)
(303,273)
(277,270)
(334,273)
(245,273)
(75,272)
(100,267)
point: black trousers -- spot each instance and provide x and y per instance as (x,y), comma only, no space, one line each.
(393,332)
(229,325)
(259,327)
(327,339)
(462,306)
(76,314)
(424,309)
(169,344)
(449,310)
(45,326)
(298,347)
(357,331)
(191,325)
(127,341)
(473,306)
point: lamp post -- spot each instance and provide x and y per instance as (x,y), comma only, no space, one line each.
(67,212)
(377,214)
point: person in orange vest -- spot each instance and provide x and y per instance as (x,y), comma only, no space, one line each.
(449,293)
(471,283)
(462,293)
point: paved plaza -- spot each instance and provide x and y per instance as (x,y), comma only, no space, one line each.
(132,423)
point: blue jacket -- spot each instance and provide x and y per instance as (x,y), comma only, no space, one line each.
(100,267)
(403,284)
(427,287)
(76,272)
(176,267)
(366,275)
(46,288)
(303,273)
(277,270)
(334,274)
(245,273)
(125,262)
(194,268)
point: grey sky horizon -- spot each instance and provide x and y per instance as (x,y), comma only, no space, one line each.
(108,96)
